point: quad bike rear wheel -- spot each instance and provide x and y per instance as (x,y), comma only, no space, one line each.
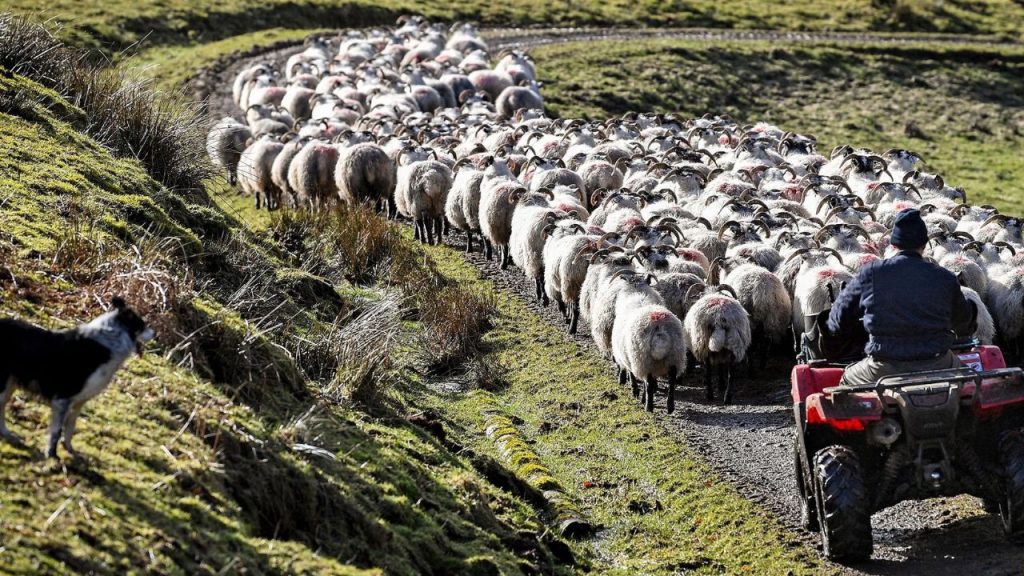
(844,514)
(805,488)
(1011,508)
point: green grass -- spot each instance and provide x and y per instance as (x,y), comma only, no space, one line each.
(111,25)
(968,102)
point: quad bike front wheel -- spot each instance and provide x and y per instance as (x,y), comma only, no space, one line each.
(1011,507)
(805,488)
(844,514)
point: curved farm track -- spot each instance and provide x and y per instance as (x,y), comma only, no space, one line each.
(749,444)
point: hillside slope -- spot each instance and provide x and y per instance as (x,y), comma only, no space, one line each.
(223,449)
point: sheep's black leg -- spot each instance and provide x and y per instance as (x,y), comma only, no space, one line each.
(469,241)
(506,257)
(538,289)
(543,293)
(232,178)
(563,309)
(691,363)
(446,227)
(756,343)
(623,375)
(709,386)
(652,389)
(634,384)
(392,209)
(673,379)
(726,376)
(416,230)
(488,249)
(574,317)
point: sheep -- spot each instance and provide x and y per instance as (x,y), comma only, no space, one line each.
(496,209)
(648,341)
(279,170)
(243,82)
(1006,303)
(718,328)
(420,193)
(817,284)
(598,174)
(967,270)
(604,261)
(985,331)
(764,297)
(492,82)
(311,175)
(297,101)
(365,173)
(602,306)
(530,227)
(515,98)
(466,188)
(565,268)
(225,144)
(254,171)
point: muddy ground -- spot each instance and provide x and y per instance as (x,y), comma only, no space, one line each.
(750,443)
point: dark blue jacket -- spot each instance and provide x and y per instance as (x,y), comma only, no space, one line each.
(912,309)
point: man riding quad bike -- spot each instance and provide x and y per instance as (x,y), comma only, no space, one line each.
(919,416)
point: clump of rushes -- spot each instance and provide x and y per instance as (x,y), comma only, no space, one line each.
(121,112)
(355,245)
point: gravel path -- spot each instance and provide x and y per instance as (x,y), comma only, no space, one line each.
(749,443)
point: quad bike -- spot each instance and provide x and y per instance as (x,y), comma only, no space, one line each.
(859,450)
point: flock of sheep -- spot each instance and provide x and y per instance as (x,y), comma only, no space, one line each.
(671,238)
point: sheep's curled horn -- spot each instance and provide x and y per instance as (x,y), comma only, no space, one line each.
(696,288)
(727,288)
(730,225)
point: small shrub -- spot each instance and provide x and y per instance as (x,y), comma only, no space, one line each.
(365,350)
(148,278)
(349,243)
(487,373)
(124,113)
(454,318)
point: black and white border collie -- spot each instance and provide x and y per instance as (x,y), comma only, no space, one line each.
(66,368)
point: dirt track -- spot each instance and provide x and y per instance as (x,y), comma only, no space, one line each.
(749,443)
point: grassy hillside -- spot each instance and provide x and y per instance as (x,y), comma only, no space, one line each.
(111,25)
(961,108)
(235,445)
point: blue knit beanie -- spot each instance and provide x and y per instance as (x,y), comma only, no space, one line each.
(909,231)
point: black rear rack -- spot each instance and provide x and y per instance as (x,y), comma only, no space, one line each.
(948,375)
